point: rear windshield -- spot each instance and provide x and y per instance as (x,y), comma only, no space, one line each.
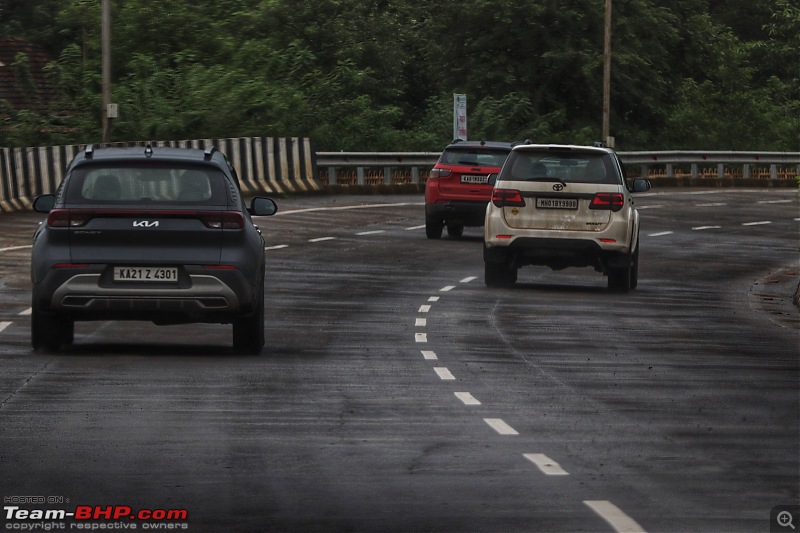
(132,184)
(570,167)
(483,157)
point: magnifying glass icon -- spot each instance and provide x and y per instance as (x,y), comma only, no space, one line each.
(785,519)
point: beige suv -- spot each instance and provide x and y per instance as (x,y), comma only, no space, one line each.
(563,206)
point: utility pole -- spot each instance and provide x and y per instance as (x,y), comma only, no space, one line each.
(607,74)
(106,36)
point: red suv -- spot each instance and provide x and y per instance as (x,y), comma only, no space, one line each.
(458,188)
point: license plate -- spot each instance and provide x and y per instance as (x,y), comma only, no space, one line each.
(148,274)
(557,203)
(469,178)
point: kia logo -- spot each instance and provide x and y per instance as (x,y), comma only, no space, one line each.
(558,187)
(145,223)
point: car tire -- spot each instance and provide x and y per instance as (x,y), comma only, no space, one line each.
(455,230)
(50,331)
(635,268)
(248,331)
(499,274)
(619,278)
(433,228)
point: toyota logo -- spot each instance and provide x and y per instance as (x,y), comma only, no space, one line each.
(558,187)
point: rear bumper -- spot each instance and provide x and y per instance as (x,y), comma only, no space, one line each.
(198,298)
(468,213)
(556,253)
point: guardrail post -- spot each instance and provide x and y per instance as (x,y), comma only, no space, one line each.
(387,175)
(721,170)
(645,171)
(360,175)
(773,171)
(746,171)
(670,170)
(695,173)
(331,175)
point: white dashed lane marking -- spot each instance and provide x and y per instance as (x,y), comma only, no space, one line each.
(373,232)
(448,288)
(614,516)
(4,325)
(712,204)
(759,223)
(467,398)
(444,373)
(660,234)
(774,201)
(545,464)
(469,279)
(429,355)
(277,247)
(26,312)
(421,322)
(320,239)
(420,337)
(424,308)
(433,299)
(412,228)
(500,426)
(702,228)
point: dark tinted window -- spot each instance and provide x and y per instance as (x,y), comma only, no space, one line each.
(574,167)
(474,157)
(148,184)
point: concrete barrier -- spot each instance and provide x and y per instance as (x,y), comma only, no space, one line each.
(264,164)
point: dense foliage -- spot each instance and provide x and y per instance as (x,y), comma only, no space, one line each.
(370,75)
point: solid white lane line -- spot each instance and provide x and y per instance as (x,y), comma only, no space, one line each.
(320,239)
(614,516)
(759,223)
(421,322)
(545,464)
(701,228)
(443,373)
(27,312)
(424,308)
(467,398)
(373,232)
(433,299)
(4,325)
(12,248)
(660,234)
(343,208)
(412,228)
(420,337)
(429,355)
(447,288)
(277,247)
(500,426)
(469,279)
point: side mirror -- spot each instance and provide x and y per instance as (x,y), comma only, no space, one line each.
(44,203)
(262,207)
(492,179)
(641,185)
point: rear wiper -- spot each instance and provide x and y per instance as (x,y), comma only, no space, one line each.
(547,178)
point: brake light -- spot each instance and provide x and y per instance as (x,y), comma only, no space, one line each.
(611,201)
(507,198)
(69,218)
(222,219)
(439,173)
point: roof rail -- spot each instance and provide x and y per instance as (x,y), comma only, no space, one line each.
(89,151)
(209,151)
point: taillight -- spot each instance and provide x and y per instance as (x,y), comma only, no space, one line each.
(69,218)
(507,198)
(222,219)
(439,173)
(612,201)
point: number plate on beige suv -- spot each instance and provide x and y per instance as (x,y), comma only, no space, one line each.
(557,203)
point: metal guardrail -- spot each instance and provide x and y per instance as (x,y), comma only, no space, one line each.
(371,168)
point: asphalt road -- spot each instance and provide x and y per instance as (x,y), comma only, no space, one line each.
(398,393)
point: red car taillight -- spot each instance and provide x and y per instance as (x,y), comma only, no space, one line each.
(507,198)
(611,201)
(439,173)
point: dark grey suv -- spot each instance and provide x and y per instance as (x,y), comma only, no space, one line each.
(155,234)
